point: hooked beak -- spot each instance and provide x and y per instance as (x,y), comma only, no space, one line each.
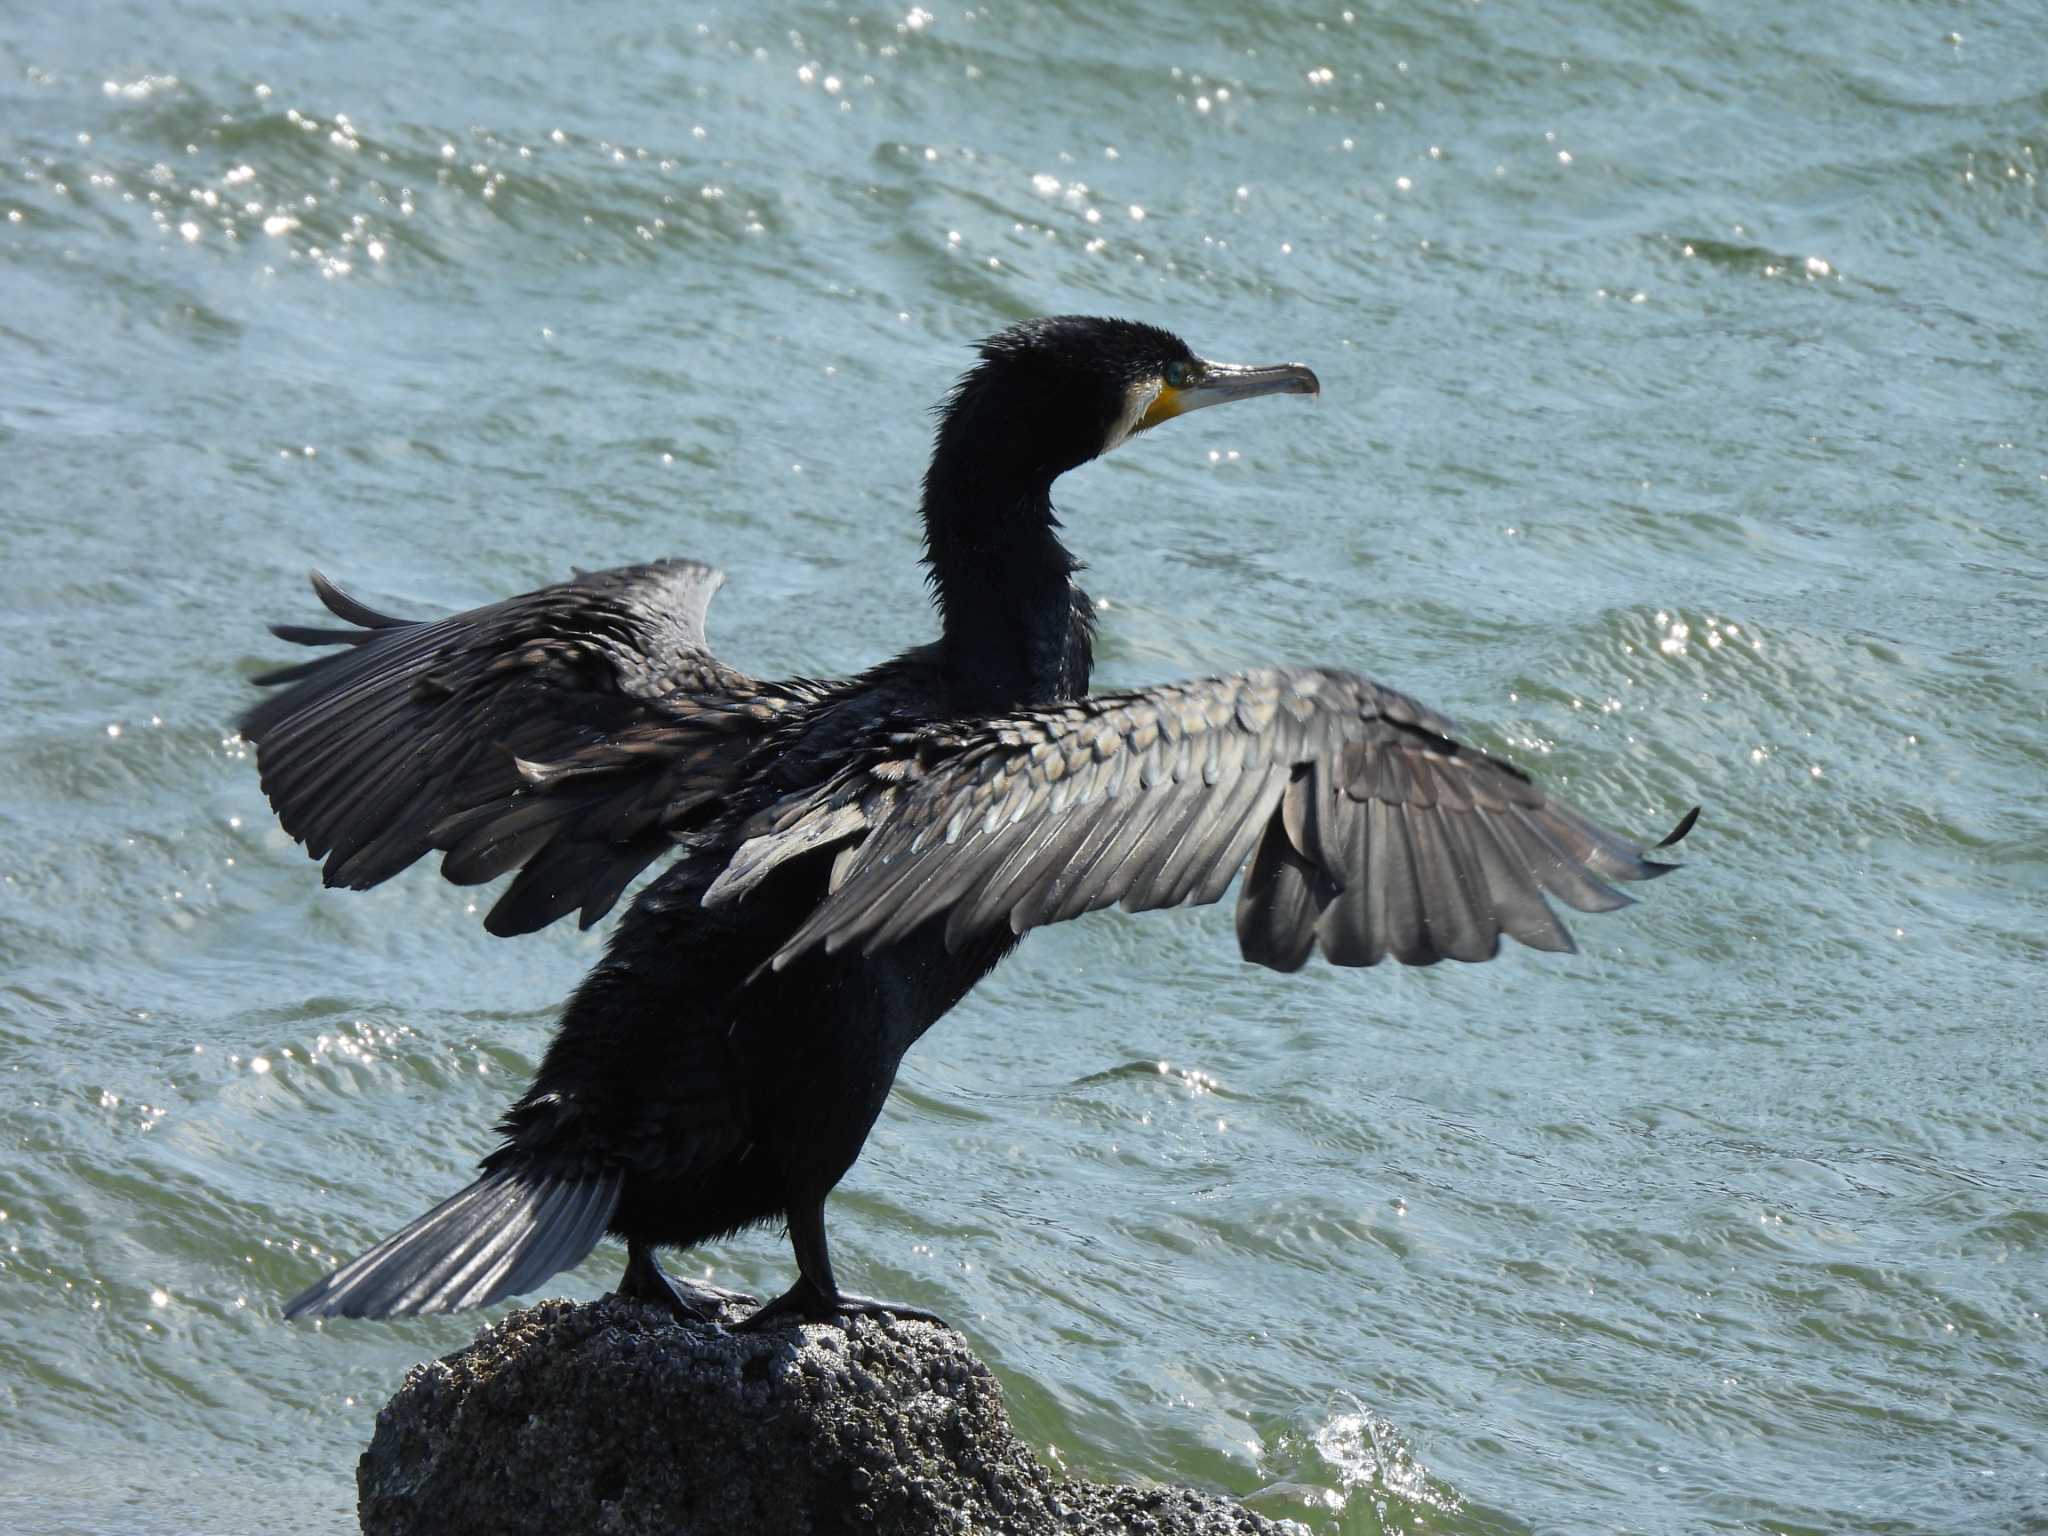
(1216,383)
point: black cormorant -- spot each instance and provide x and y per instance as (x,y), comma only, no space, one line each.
(851,857)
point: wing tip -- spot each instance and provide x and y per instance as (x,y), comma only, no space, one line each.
(1676,835)
(1556,940)
(338,601)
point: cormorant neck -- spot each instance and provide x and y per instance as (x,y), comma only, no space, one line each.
(1016,630)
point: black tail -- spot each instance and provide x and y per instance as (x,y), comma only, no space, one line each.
(504,1234)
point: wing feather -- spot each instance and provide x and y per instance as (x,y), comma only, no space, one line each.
(1225,812)
(1370,829)
(1556,871)
(1210,882)
(569,733)
(1276,911)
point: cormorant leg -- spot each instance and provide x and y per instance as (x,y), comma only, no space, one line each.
(644,1280)
(816,1297)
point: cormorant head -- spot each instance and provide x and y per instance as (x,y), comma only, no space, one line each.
(1053,393)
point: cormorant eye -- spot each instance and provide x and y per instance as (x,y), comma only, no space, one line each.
(1179,375)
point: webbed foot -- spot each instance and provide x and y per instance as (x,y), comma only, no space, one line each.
(645,1280)
(805,1303)
(816,1297)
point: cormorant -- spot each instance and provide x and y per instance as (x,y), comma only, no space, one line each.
(852,856)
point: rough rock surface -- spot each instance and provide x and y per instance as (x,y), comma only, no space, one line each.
(610,1417)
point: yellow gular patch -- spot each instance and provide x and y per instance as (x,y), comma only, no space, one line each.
(1166,405)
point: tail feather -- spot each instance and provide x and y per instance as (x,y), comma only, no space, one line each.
(504,1234)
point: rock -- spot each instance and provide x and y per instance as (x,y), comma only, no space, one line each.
(610,1417)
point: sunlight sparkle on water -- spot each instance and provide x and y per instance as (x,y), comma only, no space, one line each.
(139,89)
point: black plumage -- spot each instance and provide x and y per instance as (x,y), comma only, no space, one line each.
(852,856)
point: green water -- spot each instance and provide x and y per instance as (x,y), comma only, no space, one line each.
(1685,432)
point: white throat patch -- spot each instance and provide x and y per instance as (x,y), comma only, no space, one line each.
(1138,400)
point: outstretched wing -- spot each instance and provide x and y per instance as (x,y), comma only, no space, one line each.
(1370,830)
(567,733)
